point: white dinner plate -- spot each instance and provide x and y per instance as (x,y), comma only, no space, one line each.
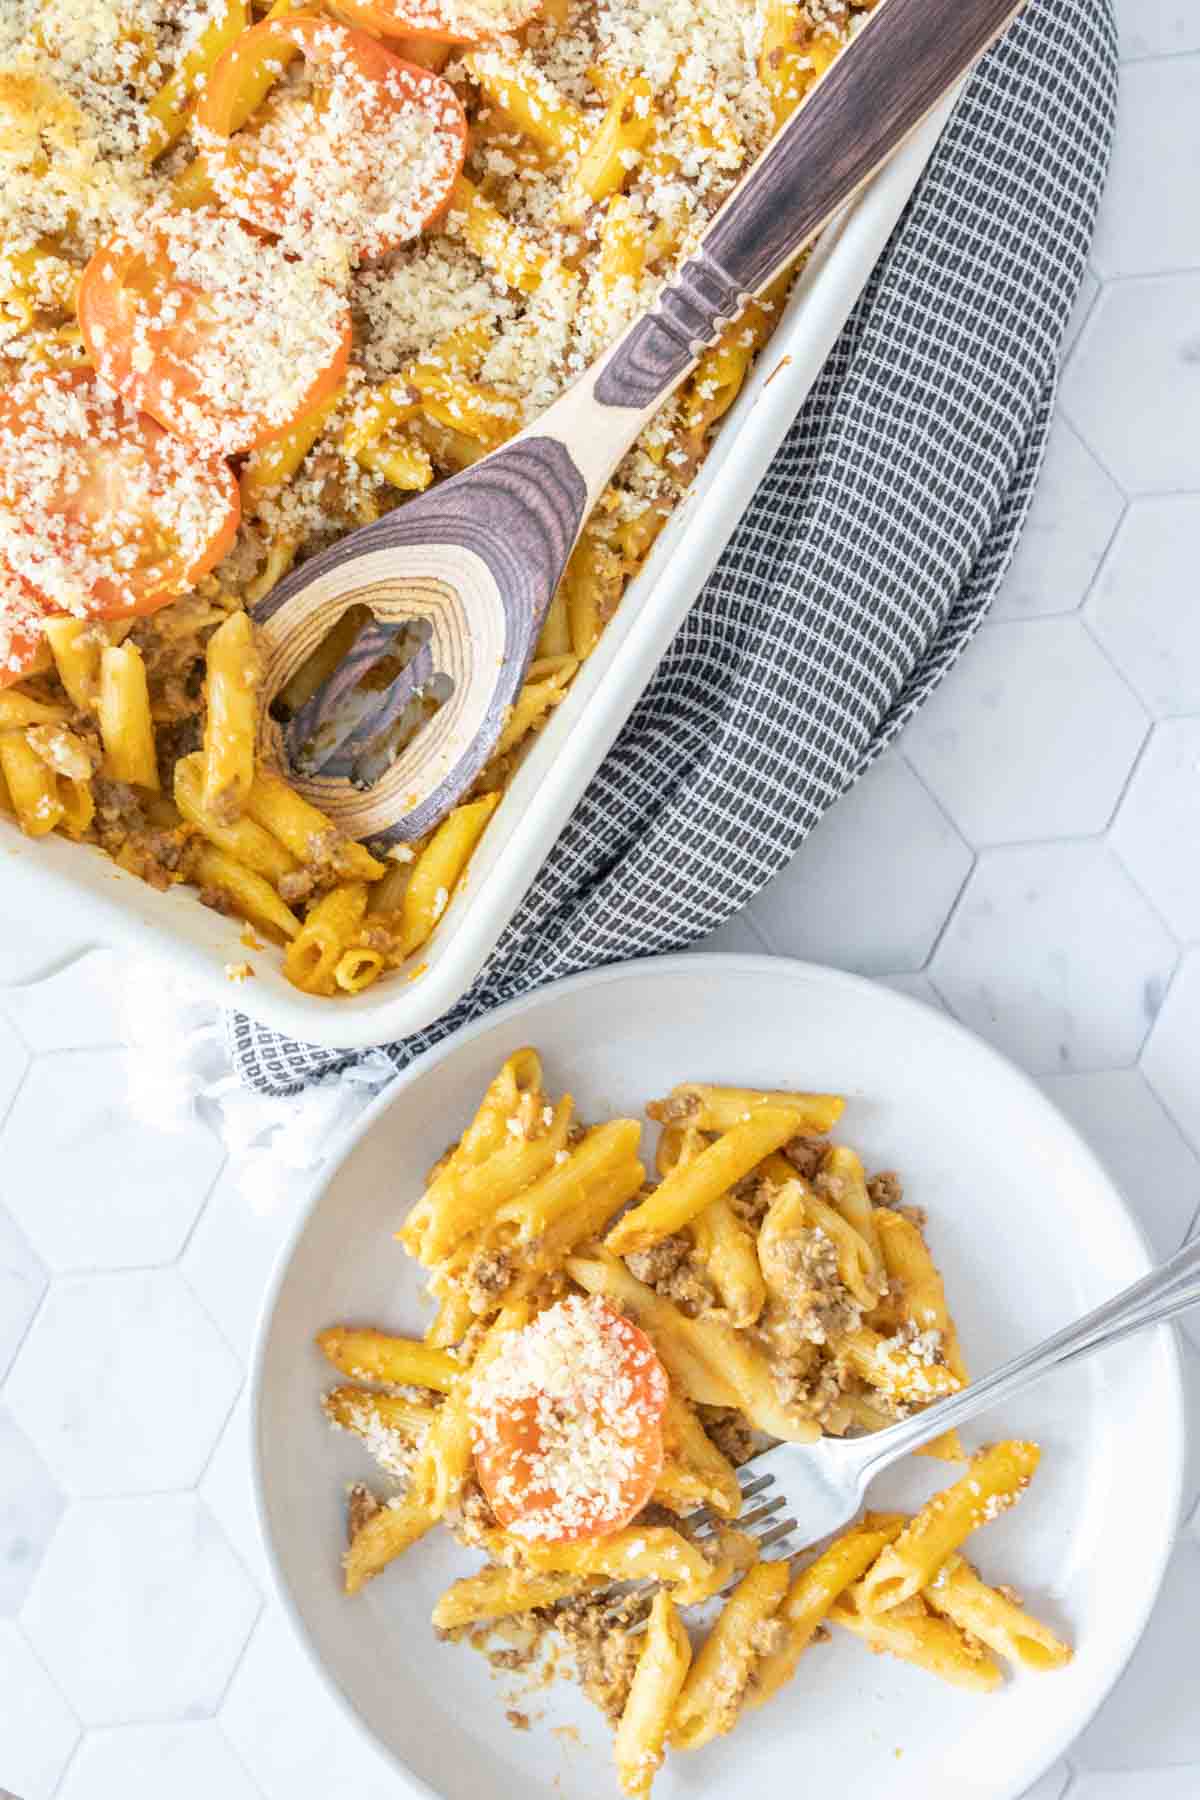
(1029,1232)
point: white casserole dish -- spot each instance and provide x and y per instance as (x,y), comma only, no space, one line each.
(118,908)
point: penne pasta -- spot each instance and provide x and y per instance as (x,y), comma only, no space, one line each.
(688,1189)
(371,1355)
(249,894)
(32,787)
(694,1471)
(994,1617)
(234,673)
(711,1695)
(995,1480)
(499,1592)
(586,1428)
(305,831)
(244,841)
(123,710)
(438,870)
(715,1108)
(812,1594)
(661,1671)
(917,1285)
(704,1355)
(314,955)
(922,1638)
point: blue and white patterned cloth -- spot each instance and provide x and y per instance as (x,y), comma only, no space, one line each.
(865,563)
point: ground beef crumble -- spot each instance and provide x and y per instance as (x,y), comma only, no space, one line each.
(670,1268)
(885,1189)
(806,1154)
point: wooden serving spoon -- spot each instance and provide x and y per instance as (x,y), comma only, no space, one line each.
(464,573)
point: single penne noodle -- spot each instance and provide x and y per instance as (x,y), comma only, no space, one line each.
(993,1617)
(636,1553)
(694,1472)
(727,1248)
(555,636)
(234,674)
(845,1188)
(661,1670)
(711,1696)
(306,832)
(32,787)
(500,1592)
(123,710)
(252,895)
(17,710)
(916,1280)
(606,162)
(508,251)
(383,1538)
(922,1638)
(688,1189)
(995,1480)
(311,959)
(893,1367)
(357,969)
(678,1144)
(710,1107)
(78,804)
(269,467)
(812,1593)
(534,703)
(244,840)
(75,645)
(536,107)
(371,1355)
(359,1409)
(438,869)
(390,1425)
(451,1322)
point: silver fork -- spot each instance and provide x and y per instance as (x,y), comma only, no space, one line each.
(808,1491)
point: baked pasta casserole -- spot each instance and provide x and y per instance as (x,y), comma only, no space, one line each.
(263,273)
(607,1353)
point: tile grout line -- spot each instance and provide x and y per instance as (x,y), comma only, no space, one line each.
(236,1754)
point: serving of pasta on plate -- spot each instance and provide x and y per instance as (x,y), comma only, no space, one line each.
(265,271)
(607,1357)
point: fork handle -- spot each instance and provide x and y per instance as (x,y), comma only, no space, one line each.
(1168,1290)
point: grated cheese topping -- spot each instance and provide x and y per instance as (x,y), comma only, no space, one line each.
(590,1388)
(337,163)
(93,494)
(251,328)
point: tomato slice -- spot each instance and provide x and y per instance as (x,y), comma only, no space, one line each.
(361,151)
(103,513)
(446,21)
(567,1423)
(219,336)
(21,639)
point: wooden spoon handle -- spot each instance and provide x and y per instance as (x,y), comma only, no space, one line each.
(906,56)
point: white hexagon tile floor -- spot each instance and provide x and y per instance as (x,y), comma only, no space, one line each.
(1028,858)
